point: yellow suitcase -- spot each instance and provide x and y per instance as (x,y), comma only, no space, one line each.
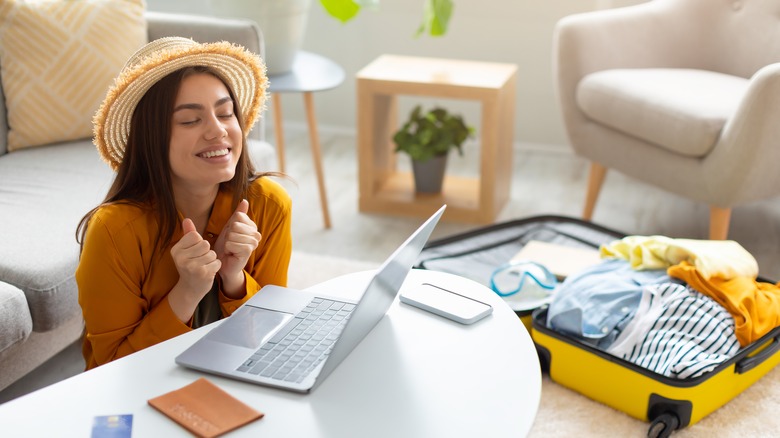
(666,403)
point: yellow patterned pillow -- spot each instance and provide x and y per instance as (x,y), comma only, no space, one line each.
(57,59)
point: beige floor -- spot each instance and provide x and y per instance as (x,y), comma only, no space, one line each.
(546,180)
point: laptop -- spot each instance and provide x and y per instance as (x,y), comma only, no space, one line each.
(293,339)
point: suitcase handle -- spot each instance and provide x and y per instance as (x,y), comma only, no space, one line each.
(751,362)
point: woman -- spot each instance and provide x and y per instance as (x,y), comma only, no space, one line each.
(188,232)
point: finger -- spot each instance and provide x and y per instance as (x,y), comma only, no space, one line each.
(186,251)
(188,240)
(186,243)
(206,258)
(240,215)
(200,249)
(188,226)
(206,271)
(241,221)
(213,266)
(236,237)
(237,249)
(190,235)
(202,263)
(243,228)
(243,207)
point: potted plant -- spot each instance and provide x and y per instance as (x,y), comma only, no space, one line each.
(427,138)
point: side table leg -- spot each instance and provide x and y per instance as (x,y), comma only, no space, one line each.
(278,132)
(316,154)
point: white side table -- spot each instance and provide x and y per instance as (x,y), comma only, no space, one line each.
(310,73)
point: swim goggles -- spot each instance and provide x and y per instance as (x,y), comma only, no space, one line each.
(528,277)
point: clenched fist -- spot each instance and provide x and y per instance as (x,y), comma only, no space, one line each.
(196,262)
(234,246)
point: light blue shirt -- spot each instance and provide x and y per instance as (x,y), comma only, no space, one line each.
(595,304)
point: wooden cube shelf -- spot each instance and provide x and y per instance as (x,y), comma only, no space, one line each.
(384,189)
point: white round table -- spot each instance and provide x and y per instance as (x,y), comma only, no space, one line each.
(421,375)
(415,375)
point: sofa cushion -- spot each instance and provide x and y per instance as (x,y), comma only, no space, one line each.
(57,60)
(263,155)
(681,110)
(45,193)
(15,321)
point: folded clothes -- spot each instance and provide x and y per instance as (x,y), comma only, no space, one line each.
(755,305)
(594,304)
(677,332)
(712,258)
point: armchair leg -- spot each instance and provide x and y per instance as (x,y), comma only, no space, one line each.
(719,222)
(595,180)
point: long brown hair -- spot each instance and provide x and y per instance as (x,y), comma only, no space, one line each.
(144,178)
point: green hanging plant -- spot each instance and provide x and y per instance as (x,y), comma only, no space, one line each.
(436,13)
(426,135)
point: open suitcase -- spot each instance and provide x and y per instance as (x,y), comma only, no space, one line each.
(666,403)
(476,254)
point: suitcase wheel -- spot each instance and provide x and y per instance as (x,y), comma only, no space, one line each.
(663,425)
(544,358)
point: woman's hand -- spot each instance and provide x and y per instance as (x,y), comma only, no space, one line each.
(233,247)
(197,265)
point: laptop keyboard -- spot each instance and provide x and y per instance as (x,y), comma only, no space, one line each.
(297,349)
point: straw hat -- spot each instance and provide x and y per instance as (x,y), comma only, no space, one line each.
(242,70)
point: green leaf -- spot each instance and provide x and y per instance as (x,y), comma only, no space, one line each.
(343,10)
(415,114)
(427,134)
(439,114)
(436,17)
(436,13)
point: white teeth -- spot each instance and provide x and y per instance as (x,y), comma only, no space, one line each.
(218,153)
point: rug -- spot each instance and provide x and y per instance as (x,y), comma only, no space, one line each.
(564,413)
(308,269)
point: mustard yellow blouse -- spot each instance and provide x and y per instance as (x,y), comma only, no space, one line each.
(123,285)
(755,305)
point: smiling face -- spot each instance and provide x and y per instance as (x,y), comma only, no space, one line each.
(206,138)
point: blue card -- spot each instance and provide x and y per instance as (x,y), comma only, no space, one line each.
(112,426)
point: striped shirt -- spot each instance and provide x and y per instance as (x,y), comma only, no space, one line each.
(677,332)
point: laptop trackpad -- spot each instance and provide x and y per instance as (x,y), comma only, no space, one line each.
(249,327)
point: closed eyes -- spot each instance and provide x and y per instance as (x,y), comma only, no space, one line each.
(196,121)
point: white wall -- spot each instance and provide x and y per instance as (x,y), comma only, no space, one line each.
(510,31)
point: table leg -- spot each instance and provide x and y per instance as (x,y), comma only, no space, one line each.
(316,154)
(278,132)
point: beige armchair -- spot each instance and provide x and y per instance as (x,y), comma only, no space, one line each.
(680,94)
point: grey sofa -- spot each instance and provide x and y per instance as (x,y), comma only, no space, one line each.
(44,192)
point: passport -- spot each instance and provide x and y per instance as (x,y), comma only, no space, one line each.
(205,409)
(559,259)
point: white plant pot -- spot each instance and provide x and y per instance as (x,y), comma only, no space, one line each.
(283,23)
